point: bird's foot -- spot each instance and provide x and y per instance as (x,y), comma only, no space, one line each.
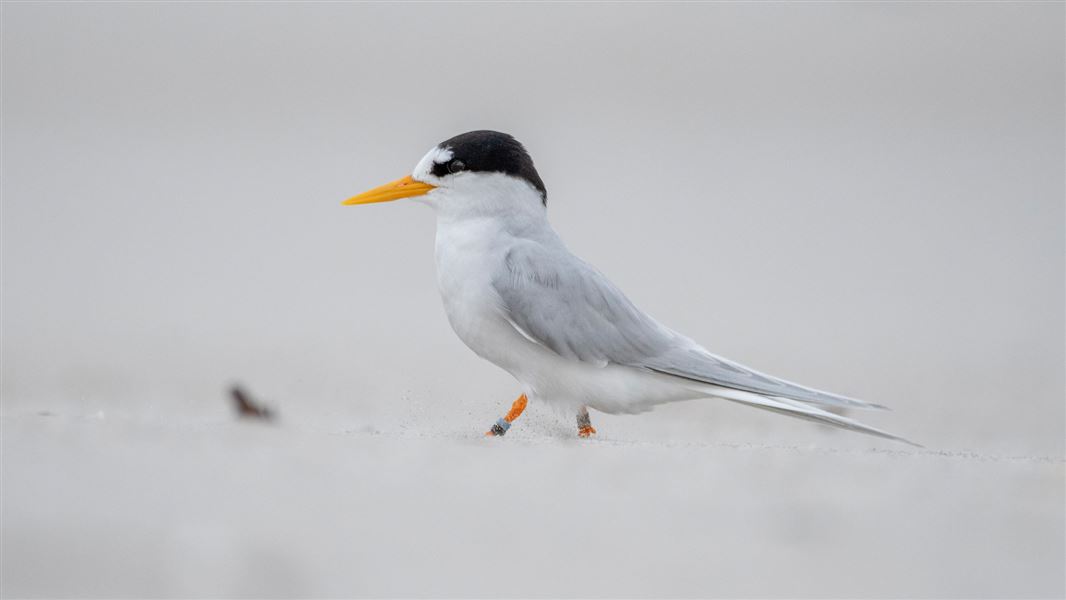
(584,424)
(502,424)
(498,429)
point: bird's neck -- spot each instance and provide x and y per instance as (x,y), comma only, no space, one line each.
(512,206)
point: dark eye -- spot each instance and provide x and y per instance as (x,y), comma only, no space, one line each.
(456,165)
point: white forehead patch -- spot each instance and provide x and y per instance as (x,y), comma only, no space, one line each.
(443,155)
(424,170)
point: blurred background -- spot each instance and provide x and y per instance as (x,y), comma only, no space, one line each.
(865,198)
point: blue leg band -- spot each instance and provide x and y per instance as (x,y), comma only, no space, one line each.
(501,426)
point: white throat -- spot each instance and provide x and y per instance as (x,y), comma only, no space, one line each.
(487,195)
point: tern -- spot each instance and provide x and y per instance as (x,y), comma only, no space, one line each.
(520,299)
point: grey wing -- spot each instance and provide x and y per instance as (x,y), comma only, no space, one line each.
(564,304)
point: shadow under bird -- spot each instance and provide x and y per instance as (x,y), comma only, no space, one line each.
(520,299)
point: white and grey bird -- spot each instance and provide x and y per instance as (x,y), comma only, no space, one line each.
(520,299)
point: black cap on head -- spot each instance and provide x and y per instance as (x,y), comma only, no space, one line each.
(492,152)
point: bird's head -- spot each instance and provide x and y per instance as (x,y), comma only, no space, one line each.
(476,170)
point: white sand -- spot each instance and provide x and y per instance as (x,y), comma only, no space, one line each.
(198,505)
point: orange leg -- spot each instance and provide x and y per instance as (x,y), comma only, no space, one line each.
(501,426)
(584,424)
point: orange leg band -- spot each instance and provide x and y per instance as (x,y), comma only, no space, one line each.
(584,424)
(502,425)
(516,409)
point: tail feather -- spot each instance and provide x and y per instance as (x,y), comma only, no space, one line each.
(799,410)
(696,364)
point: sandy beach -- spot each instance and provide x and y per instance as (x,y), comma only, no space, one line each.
(104,505)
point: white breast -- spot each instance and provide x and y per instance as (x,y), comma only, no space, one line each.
(468,252)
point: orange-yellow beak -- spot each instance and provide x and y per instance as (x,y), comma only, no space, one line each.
(401,188)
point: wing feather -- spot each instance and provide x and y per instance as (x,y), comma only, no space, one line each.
(557,300)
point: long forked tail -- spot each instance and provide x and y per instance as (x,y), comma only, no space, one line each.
(696,364)
(799,410)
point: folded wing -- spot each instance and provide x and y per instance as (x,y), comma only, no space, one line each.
(566,305)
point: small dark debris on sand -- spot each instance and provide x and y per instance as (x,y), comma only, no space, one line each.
(247,407)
